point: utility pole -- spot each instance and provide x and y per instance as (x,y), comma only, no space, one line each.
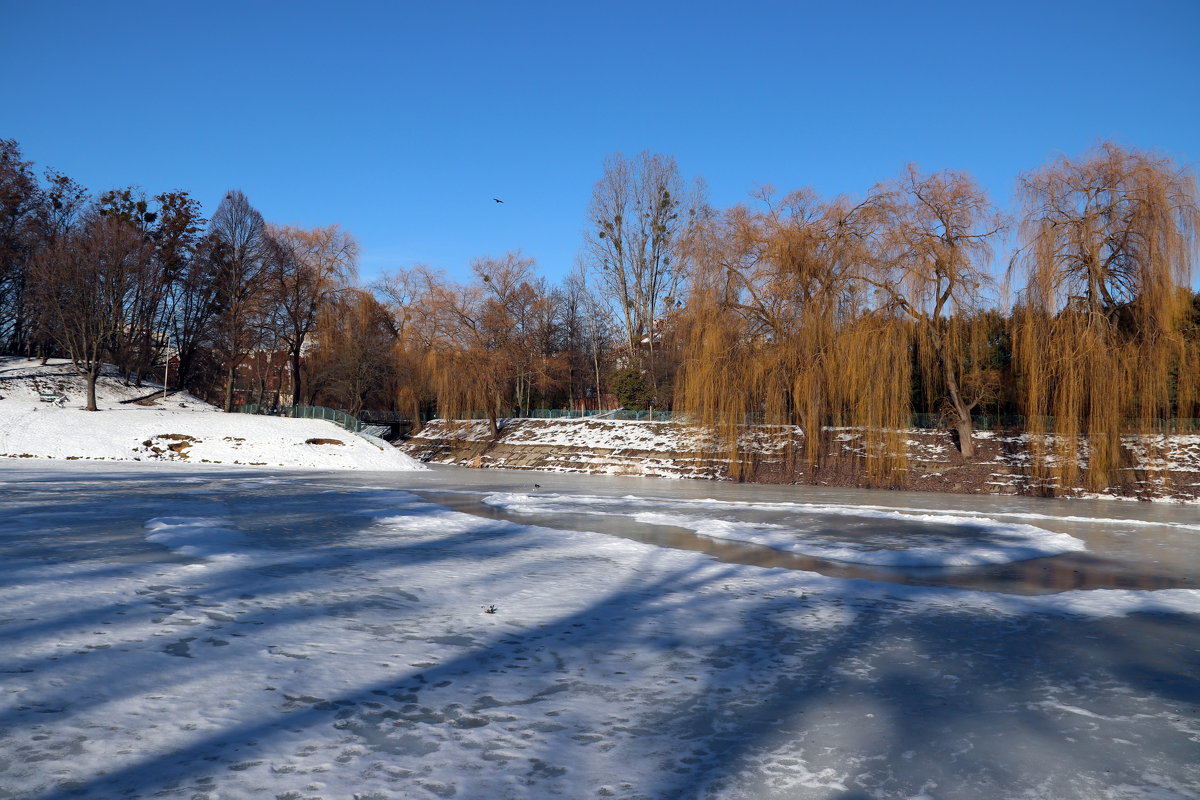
(167,355)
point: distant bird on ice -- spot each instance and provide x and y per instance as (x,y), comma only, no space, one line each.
(497,199)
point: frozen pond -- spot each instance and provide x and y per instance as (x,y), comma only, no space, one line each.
(216,634)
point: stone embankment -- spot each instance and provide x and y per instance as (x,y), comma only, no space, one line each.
(1162,467)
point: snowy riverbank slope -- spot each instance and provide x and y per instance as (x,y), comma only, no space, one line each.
(179,429)
(1163,467)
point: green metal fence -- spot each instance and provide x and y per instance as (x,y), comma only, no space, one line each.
(567,413)
(306,412)
(983,422)
(1047,424)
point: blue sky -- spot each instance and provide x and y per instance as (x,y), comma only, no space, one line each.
(401,121)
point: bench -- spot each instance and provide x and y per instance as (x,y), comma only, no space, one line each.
(47,397)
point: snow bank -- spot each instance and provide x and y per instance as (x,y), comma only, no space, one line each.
(590,432)
(179,429)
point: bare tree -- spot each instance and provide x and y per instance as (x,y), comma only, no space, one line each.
(20,203)
(778,328)
(406,295)
(933,264)
(33,216)
(86,282)
(170,223)
(350,357)
(587,337)
(307,268)
(468,371)
(514,317)
(191,308)
(639,219)
(1112,228)
(238,251)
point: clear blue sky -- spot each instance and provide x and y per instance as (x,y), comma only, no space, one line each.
(401,121)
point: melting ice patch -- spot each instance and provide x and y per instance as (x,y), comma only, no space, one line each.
(1027,515)
(983,543)
(867,535)
(207,538)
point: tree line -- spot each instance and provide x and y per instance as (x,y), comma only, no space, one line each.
(126,278)
(816,312)
(792,309)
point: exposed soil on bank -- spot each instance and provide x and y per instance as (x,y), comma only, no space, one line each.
(1161,467)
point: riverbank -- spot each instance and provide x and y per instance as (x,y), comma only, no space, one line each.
(1163,467)
(42,416)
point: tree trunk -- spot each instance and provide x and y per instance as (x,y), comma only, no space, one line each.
(229,373)
(183,367)
(596,365)
(90,377)
(296,376)
(966,444)
(962,423)
(962,412)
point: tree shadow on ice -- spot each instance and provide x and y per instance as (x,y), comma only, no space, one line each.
(231,603)
(371,711)
(893,704)
(899,704)
(103,538)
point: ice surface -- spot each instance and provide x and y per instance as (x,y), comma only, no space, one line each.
(257,635)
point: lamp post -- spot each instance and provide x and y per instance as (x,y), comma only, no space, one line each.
(167,355)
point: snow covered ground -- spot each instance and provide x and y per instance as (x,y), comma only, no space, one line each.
(183,631)
(180,428)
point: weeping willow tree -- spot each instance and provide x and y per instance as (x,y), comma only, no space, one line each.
(932,264)
(344,367)
(459,397)
(467,362)
(777,331)
(414,331)
(1108,244)
(487,346)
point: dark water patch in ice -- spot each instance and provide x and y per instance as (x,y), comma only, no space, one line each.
(182,648)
